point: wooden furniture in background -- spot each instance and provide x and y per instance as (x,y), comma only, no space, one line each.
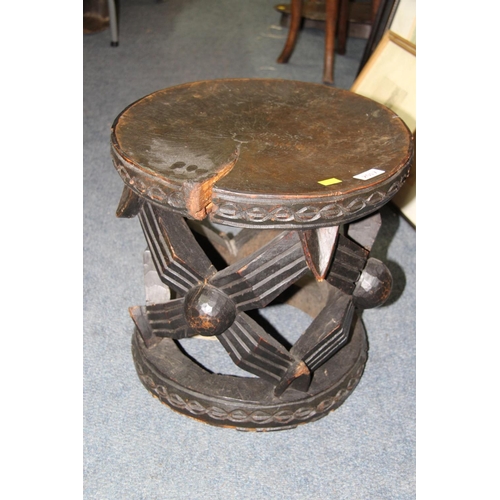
(337,17)
(302,170)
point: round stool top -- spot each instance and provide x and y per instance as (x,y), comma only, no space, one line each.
(265,153)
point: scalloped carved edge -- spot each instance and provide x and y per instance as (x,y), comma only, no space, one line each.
(330,211)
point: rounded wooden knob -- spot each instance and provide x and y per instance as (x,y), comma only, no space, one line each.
(208,310)
(373,286)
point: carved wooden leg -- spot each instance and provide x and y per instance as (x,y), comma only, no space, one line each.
(212,303)
(252,349)
(327,333)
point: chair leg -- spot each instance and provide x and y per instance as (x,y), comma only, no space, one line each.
(293,31)
(342,26)
(113,23)
(332,8)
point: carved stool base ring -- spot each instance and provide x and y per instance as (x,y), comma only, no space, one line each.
(228,401)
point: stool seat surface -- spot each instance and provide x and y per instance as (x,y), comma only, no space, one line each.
(251,152)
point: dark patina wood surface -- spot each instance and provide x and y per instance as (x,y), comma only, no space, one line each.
(250,152)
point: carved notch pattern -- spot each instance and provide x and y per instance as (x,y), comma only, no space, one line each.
(243,415)
(338,211)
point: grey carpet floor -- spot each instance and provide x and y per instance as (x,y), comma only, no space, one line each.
(136,448)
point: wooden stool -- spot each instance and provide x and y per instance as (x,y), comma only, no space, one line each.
(310,165)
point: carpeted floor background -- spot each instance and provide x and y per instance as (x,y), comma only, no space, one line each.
(136,448)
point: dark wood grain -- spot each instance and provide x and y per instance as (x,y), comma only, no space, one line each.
(327,333)
(257,280)
(348,262)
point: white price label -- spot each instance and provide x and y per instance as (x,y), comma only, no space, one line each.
(369,174)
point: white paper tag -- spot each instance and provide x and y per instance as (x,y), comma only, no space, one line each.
(369,174)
